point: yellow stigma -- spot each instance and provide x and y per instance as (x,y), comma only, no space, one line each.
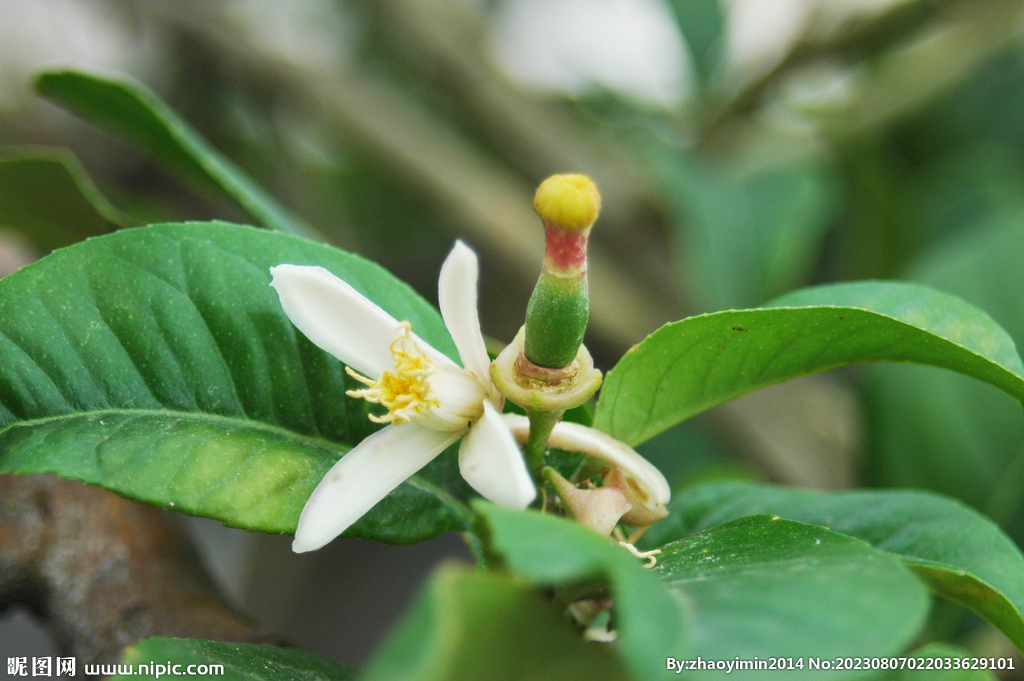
(568,201)
(405,392)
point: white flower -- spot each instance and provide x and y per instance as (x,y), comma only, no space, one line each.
(431,401)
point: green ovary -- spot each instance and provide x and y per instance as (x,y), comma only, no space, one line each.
(556,318)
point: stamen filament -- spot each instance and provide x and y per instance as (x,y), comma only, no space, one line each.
(405,392)
(643,555)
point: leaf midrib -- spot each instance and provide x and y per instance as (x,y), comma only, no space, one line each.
(206,417)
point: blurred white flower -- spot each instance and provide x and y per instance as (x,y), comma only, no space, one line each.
(571,46)
(635,47)
(762,32)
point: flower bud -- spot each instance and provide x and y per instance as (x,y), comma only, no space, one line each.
(557,314)
(644,509)
(599,508)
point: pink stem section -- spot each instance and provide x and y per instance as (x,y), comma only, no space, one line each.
(566,250)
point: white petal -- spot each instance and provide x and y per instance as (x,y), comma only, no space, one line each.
(336,317)
(456,293)
(363,477)
(460,398)
(576,438)
(518,424)
(492,464)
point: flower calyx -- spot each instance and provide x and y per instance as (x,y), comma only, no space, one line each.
(538,388)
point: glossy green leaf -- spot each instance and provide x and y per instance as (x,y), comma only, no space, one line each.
(549,550)
(479,625)
(157,363)
(961,554)
(689,366)
(126,108)
(47,197)
(232,661)
(768,587)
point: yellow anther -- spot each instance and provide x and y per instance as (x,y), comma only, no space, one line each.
(404,392)
(568,201)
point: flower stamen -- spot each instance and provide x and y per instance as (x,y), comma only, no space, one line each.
(642,555)
(406,392)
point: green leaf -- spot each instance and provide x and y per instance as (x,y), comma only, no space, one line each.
(768,587)
(689,366)
(47,196)
(479,625)
(126,108)
(157,363)
(547,550)
(939,431)
(702,24)
(961,554)
(241,661)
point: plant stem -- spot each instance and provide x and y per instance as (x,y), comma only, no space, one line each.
(541,425)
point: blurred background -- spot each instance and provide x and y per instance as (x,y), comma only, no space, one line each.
(743,148)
